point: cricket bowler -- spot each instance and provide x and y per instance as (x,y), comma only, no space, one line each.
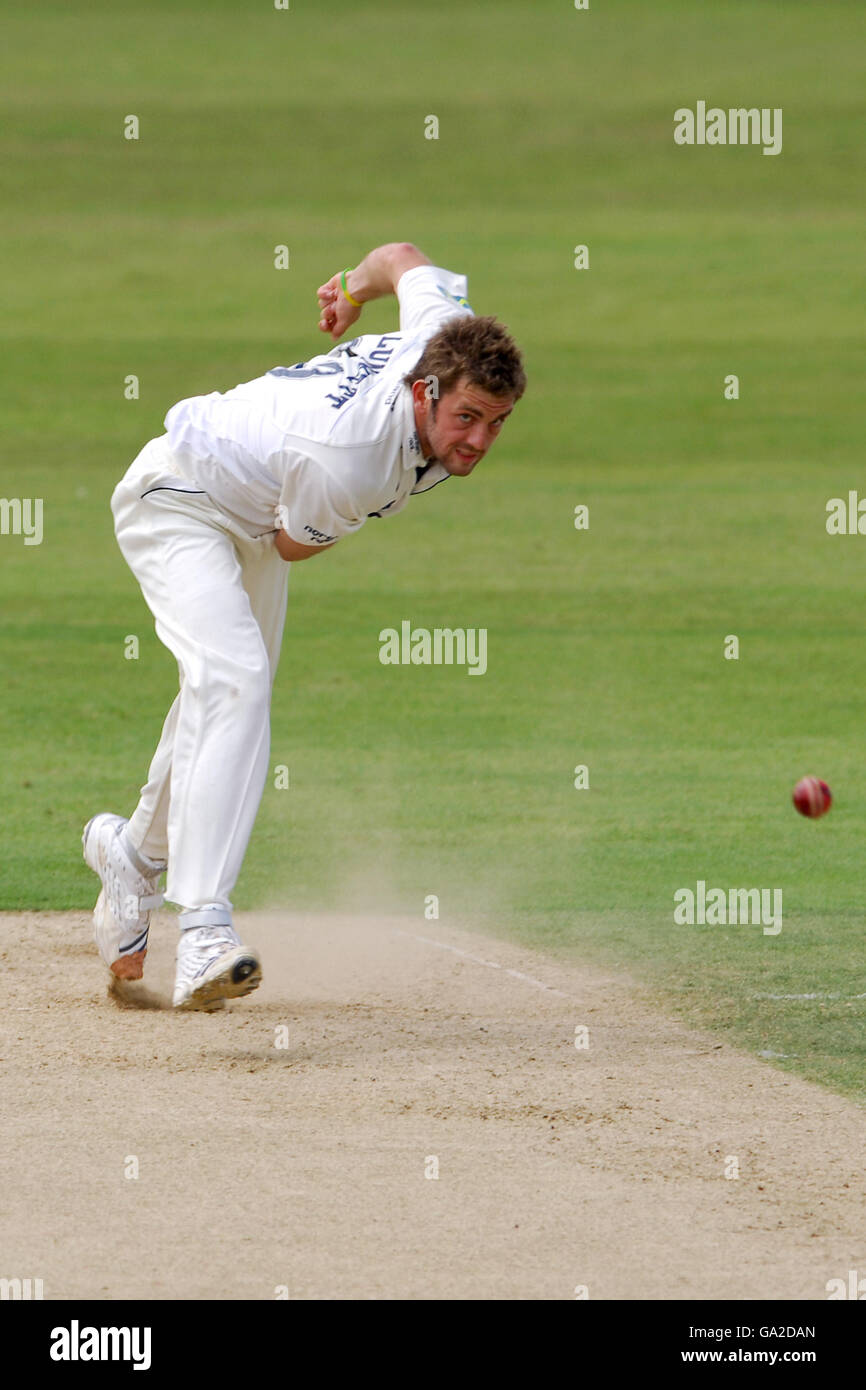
(277,470)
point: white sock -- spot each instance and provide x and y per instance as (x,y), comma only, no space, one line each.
(155,866)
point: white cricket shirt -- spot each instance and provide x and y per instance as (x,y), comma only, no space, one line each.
(326,443)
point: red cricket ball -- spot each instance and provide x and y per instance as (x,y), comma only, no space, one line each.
(812,797)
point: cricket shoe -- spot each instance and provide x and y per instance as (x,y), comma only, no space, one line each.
(212,966)
(121,917)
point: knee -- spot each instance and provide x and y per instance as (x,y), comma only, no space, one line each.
(248,683)
(241,682)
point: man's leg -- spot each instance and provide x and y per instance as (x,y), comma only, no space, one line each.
(209,771)
(264,578)
(263,575)
(148,825)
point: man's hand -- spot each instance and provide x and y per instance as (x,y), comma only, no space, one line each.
(377,274)
(336,314)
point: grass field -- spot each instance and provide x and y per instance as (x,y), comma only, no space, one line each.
(306,127)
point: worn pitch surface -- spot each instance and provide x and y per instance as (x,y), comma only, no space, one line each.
(411,1046)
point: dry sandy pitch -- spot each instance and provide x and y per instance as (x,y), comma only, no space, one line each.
(304,1166)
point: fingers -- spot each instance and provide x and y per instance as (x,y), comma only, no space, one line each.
(329,290)
(327,296)
(331,303)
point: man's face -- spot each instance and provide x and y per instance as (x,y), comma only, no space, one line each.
(460,427)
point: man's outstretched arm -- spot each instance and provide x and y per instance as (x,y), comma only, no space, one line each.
(377,275)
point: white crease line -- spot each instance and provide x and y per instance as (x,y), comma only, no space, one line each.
(844,997)
(479,960)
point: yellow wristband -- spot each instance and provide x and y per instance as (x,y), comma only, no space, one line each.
(343,275)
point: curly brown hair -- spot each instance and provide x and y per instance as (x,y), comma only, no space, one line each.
(479,348)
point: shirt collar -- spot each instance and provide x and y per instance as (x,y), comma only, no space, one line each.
(427,475)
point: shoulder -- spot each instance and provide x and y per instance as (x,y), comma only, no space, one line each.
(429,295)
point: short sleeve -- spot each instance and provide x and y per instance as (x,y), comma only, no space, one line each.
(429,296)
(313,508)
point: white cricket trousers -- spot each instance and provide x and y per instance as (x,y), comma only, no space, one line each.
(218,598)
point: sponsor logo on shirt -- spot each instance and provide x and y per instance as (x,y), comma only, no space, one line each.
(319,537)
(301,370)
(367,366)
(458,298)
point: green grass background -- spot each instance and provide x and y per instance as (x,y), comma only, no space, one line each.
(306,127)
